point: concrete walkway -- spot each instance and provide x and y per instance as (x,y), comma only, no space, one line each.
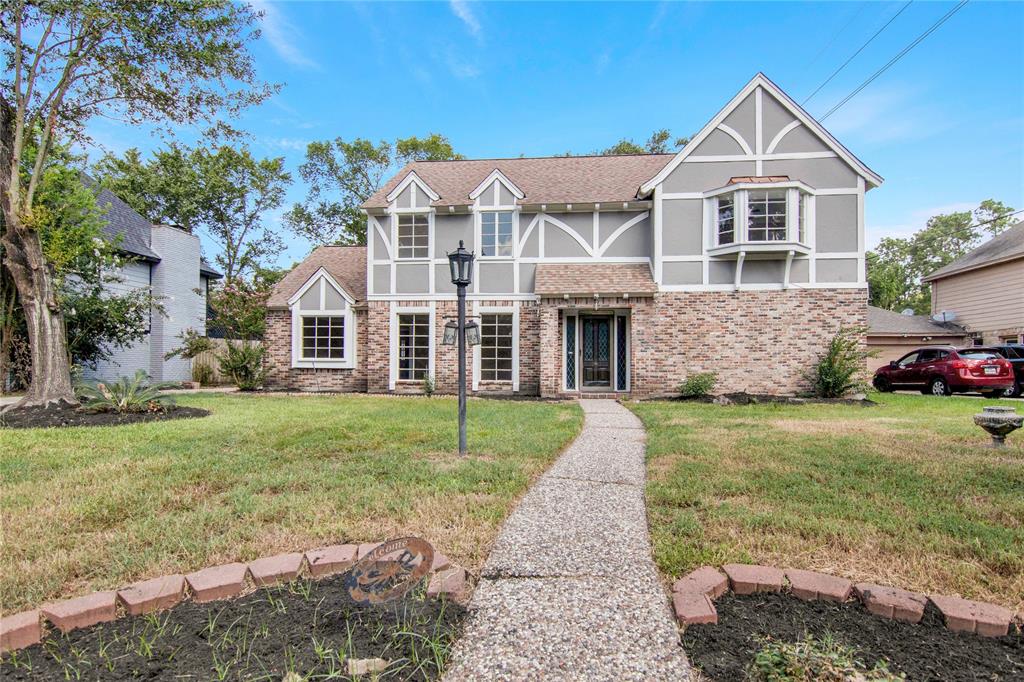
(570,591)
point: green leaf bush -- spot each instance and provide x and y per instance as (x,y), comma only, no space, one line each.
(698,385)
(126,395)
(839,369)
(244,364)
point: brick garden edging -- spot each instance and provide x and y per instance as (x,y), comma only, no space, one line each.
(226,581)
(693,597)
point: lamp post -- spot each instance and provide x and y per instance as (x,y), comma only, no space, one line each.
(461,262)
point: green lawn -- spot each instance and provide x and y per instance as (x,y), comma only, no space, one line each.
(902,493)
(95,508)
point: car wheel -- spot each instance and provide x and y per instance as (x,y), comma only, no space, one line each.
(1013,392)
(938,386)
(882,385)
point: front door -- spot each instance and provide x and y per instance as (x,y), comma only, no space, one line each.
(597,351)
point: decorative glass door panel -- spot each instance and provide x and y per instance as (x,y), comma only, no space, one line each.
(596,351)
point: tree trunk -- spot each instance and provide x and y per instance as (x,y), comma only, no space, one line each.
(23,257)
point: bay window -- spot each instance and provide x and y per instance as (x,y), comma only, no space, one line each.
(759,215)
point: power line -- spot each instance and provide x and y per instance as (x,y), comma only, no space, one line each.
(861,49)
(895,59)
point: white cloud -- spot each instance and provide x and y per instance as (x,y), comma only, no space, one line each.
(282,35)
(883,115)
(286,143)
(461,9)
(460,68)
(913,222)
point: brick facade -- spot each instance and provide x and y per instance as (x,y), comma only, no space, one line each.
(755,341)
(282,376)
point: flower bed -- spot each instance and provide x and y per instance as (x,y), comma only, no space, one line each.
(272,616)
(730,617)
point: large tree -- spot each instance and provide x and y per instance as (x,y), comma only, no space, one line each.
(225,193)
(342,175)
(895,268)
(173,62)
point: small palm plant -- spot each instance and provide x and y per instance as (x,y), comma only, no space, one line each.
(127,394)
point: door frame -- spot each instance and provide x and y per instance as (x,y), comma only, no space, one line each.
(613,314)
(608,319)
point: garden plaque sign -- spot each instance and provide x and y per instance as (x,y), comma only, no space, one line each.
(375,580)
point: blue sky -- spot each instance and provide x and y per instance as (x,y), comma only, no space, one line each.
(944,126)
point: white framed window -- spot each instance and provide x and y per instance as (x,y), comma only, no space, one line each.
(766,215)
(497,234)
(414,331)
(725,215)
(323,325)
(413,235)
(496,346)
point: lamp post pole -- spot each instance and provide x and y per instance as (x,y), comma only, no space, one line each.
(461,262)
(462,368)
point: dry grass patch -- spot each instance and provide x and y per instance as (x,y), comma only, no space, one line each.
(905,493)
(96,508)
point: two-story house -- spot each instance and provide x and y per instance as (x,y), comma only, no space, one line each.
(742,254)
(984,290)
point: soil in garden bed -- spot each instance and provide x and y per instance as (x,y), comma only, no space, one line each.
(308,627)
(927,651)
(755,398)
(65,415)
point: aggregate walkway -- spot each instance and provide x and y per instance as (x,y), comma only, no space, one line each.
(570,591)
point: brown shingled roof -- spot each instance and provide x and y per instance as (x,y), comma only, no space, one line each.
(346,264)
(549,180)
(1005,246)
(606,279)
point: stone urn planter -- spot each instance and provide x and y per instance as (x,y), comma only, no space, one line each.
(999,421)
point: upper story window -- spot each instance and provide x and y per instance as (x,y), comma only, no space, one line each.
(496,233)
(766,215)
(726,220)
(413,235)
(760,215)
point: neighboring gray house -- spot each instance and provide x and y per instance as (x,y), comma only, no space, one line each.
(742,254)
(168,260)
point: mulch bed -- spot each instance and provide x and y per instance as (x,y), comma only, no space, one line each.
(927,651)
(307,627)
(65,415)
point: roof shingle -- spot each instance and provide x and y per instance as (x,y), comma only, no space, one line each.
(888,323)
(1004,246)
(346,264)
(548,180)
(605,279)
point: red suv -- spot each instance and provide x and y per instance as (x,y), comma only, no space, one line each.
(942,370)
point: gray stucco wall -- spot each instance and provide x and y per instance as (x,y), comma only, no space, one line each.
(836,223)
(412,278)
(742,118)
(834,270)
(721,272)
(404,200)
(800,139)
(448,230)
(443,279)
(818,173)
(682,272)
(380,247)
(527,277)
(763,272)
(559,244)
(381,279)
(682,227)
(504,196)
(800,271)
(495,278)
(700,177)
(774,117)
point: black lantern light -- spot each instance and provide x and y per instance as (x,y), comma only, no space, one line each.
(472,333)
(451,333)
(461,262)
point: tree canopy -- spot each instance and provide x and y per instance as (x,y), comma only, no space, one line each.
(895,268)
(341,175)
(660,142)
(224,193)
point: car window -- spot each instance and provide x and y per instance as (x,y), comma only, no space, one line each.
(908,359)
(1015,352)
(928,355)
(979,354)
